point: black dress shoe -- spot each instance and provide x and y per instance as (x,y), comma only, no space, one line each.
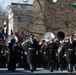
(51,71)
(31,71)
(34,69)
(61,69)
(70,70)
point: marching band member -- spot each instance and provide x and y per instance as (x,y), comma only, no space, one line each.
(31,52)
(52,54)
(71,44)
(61,49)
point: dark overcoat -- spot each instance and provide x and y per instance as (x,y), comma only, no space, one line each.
(61,53)
(52,52)
(12,58)
(31,53)
(71,53)
(44,52)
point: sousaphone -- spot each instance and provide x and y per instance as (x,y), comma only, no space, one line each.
(49,36)
(10,37)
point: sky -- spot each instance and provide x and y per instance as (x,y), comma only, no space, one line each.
(5,3)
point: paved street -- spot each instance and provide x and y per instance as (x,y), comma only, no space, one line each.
(40,71)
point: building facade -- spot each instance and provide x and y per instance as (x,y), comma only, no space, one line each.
(20,17)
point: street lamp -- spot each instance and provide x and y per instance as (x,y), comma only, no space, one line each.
(74,5)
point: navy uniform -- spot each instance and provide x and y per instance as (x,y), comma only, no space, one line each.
(52,54)
(70,46)
(12,58)
(61,49)
(31,52)
(44,52)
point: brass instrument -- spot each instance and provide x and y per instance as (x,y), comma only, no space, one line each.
(10,37)
(49,36)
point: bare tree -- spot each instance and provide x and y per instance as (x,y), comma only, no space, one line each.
(47,16)
(3,17)
(56,17)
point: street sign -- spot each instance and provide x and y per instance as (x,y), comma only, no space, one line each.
(74,5)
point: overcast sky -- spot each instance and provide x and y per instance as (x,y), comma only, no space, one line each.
(5,3)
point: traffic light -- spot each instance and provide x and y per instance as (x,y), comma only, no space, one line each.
(74,5)
(24,0)
(55,0)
